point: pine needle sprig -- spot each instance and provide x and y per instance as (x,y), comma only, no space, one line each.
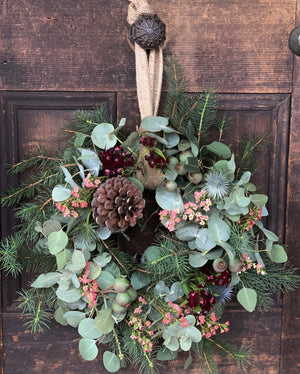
(278,277)
(144,360)
(37,307)
(245,161)
(177,102)
(38,160)
(223,125)
(168,257)
(243,355)
(9,248)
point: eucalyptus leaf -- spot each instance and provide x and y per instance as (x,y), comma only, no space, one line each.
(90,160)
(50,226)
(156,124)
(102,137)
(104,321)
(105,280)
(185,343)
(140,280)
(95,271)
(60,193)
(165,354)
(78,259)
(87,329)
(62,258)
(74,317)
(218,230)
(102,259)
(172,344)
(172,139)
(247,297)
(88,349)
(79,139)
(46,280)
(58,315)
(278,254)
(103,233)
(138,183)
(168,200)
(197,260)
(219,149)
(111,362)
(188,362)
(188,232)
(259,199)
(69,296)
(68,177)
(57,241)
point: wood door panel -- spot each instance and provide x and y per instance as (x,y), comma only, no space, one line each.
(33,118)
(56,351)
(236,46)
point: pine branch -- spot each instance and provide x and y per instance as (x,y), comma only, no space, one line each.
(223,125)
(246,155)
(36,305)
(144,360)
(168,258)
(243,355)
(9,248)
(278,277)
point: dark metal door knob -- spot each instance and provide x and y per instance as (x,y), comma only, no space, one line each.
(294,41)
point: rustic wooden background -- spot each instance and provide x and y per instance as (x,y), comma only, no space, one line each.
(58,56)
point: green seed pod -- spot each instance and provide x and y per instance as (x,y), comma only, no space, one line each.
(170,186)
(117,308)
(121,284)
(236,266)
(123,299)
(184,156)
(133,294)
(180,169)
(195,178)
(219,265)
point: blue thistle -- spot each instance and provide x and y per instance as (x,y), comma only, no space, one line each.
(216,184)
(221,293)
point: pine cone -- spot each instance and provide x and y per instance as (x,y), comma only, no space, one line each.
(117,204)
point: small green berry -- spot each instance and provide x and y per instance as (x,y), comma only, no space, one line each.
(117,308)
(121,284)
(133,294)
(123,299)
(170,186)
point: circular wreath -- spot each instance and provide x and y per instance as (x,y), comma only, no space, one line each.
(209,245)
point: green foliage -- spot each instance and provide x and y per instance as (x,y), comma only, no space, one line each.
(36,305)
(132,349)
(168,257)
(180,107)
(243,356)
(248,148)
(279,277)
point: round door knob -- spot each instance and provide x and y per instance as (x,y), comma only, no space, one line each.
(294,41)
(148,31)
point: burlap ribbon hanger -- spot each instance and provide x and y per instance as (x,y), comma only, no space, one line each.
(149,73)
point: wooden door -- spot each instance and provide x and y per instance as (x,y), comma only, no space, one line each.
(59,56)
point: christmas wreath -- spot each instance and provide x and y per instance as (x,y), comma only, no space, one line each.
(210,244)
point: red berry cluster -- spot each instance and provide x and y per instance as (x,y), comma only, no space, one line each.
(147,141)
(223,279)
(204,298)
(156,161)
(114,160)
(219,279)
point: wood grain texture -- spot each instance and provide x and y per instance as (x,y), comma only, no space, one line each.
(235,46)
(56,351)
(290,350)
